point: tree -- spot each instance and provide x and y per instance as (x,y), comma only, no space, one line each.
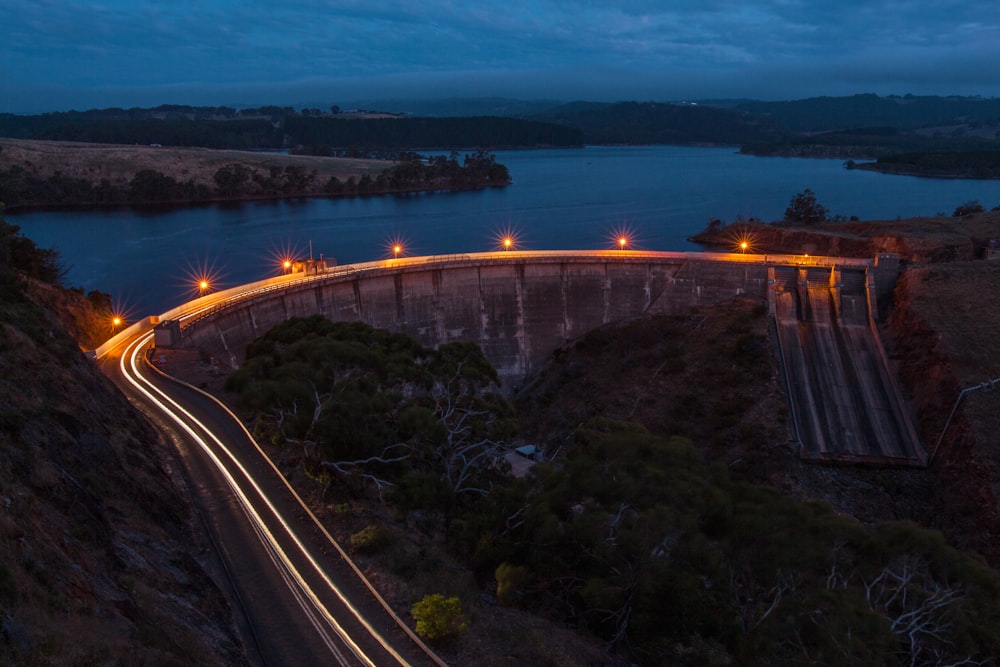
(805,209)
(150,186)
(439,618)
(231,179)
(970,207)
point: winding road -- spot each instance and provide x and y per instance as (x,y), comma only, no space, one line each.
(303,601)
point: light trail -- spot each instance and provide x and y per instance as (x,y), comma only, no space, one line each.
(288,569)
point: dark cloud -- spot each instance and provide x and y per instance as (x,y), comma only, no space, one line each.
(64,53)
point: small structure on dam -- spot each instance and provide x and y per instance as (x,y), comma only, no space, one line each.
(521,306)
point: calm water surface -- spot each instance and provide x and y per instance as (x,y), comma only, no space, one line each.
(561,199)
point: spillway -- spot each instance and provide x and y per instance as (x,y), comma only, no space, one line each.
(845,404)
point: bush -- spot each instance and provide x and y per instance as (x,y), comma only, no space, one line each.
(370,539)
(970,207)
(439,618)
(509,578)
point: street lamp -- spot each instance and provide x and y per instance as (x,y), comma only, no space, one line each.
(508,243)
(396,249)
(622,242)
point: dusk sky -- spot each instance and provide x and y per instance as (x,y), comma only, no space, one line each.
(61,54)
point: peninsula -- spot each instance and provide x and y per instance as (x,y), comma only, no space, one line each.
(63,173)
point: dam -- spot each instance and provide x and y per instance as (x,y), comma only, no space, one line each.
(520,306)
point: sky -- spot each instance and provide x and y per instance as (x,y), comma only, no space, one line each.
(57,55)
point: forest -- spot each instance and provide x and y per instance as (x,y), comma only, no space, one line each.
(630,535)
(284,128)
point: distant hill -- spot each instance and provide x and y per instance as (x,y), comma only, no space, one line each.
(661,123)
(909,112)
(864,126)
(451,107)
(284,127)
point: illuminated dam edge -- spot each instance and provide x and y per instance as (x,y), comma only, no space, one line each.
(520,306)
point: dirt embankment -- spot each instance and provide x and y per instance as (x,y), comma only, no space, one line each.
(101,560)
(943,330)
(916,240)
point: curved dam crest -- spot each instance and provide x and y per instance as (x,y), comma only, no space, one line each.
(520,306)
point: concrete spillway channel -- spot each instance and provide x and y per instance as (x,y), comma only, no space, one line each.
(846,406)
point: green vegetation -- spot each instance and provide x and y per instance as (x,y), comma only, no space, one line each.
(283,127)
(662,123)
(371,409)
(804,208)
(639,539)
(907,112)
(629,534)
(20,258)
(439,619)
(952,164)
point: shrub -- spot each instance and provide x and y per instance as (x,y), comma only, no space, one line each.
(370,539)
(439,618)
(970,207)
(510,578)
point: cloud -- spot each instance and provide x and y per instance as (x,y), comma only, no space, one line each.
(643,49)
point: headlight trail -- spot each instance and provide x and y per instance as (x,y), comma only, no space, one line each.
(291,574)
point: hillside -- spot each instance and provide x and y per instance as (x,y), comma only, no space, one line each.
(102,560)
(59,173)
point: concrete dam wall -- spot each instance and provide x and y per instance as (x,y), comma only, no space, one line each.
(518,306)
(521,306)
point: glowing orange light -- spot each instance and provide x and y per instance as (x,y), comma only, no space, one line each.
(396,249)
(116,321)
(203,285)
(287,264)
(622,237)
(506,238)
(743,238)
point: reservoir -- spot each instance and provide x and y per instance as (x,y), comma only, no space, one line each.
(148,259)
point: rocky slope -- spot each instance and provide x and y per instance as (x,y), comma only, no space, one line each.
(99,551)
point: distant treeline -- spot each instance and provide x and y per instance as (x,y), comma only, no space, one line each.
(662,123)
(963,164)
(283,128)
(906,112)
(864,142)
(26,187)
(858,126)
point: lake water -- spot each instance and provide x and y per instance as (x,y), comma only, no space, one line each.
(560,199)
